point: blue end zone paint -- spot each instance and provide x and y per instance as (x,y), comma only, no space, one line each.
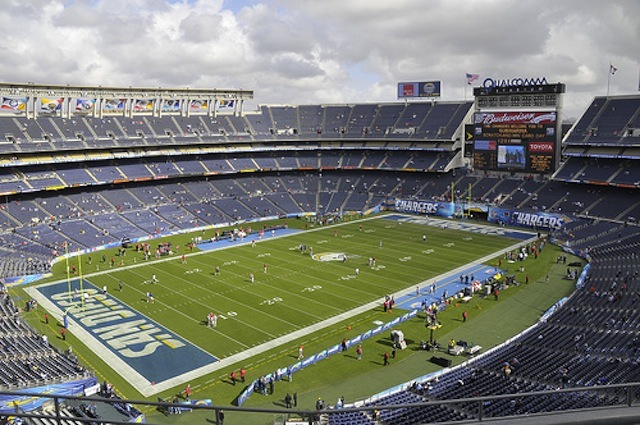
(228,243)
(451,284)
(153,351)
(468,226)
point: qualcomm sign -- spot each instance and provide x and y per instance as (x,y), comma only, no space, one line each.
(514,82)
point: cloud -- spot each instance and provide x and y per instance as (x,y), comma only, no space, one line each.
(307,51)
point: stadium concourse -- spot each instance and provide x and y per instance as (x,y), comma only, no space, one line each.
(89,182)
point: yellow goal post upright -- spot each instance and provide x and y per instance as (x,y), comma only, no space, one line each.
(468,213)
(80,277)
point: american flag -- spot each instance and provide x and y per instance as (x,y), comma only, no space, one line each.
(472,77)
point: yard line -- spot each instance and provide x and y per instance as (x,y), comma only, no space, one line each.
(230,299)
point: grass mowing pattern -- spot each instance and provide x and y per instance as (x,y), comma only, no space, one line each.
(296,291)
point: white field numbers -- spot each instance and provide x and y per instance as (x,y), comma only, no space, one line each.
(229,315)
(312,288)
(271,301)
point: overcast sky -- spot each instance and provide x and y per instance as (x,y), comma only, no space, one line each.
(323,51)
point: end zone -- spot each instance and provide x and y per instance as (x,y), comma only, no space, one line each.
(146,354)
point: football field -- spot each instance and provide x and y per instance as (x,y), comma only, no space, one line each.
(264,294)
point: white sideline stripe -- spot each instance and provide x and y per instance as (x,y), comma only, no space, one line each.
(148,389)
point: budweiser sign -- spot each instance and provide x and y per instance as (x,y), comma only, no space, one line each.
(515,118)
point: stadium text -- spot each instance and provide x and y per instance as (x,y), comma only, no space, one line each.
(537,220)
(541,147)
(490,82)
(110,321)
(515,118)
(417,206)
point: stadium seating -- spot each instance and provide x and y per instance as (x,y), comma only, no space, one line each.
(26,359)
(182,172)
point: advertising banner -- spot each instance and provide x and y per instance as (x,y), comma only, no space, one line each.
(443,209)
(9,403)
(535,219)
(419,89)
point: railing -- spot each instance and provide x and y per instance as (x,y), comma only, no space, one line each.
(476,404)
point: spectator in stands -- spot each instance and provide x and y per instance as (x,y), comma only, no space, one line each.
(564,377)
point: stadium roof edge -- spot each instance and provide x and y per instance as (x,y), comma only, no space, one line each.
(348,104)
(619,96)
(26,88)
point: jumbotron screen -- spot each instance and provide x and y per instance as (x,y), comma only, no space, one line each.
(515,141)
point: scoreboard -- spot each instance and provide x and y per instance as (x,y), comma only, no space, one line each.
(515,141)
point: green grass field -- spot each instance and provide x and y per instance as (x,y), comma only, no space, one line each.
(297,292)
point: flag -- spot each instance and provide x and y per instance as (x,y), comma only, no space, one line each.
(143,105)
(198,104)
(472,77)
(14,103)
(84,105)
(50,105)
(612,69)
(171,105)
(225,104)
(114,104)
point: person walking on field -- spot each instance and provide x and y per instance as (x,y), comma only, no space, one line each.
(287,401)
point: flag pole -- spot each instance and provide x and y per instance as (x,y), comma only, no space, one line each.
(609,78)
(469,202)
(465,90)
